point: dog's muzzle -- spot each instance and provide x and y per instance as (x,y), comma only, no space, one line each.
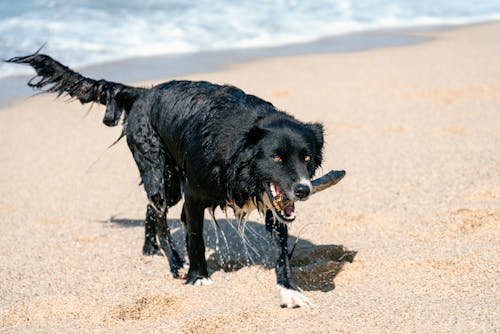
(283,208)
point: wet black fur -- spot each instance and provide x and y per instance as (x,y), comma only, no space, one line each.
(214,144)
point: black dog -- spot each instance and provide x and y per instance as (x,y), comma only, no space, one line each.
(217,146)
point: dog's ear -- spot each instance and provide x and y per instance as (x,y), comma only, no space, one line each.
(248,140)
(317,130)
(254,135)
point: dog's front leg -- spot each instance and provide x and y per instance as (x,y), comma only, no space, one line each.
(290,295)
(193,212)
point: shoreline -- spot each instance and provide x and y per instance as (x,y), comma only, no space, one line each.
(154,68)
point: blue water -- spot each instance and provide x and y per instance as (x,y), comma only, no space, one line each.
(94,31)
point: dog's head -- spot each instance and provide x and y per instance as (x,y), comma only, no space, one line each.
(288,153)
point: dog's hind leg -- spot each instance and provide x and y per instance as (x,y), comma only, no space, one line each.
(151,230)
(172,196)
(157,225)
(192,215)
(290,295)
(149,154)
(150,157)
(175,262)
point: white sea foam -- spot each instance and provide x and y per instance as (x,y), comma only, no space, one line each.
(84,33)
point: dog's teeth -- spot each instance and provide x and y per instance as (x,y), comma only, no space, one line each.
(273,189)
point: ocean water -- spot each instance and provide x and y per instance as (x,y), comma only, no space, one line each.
(89,32)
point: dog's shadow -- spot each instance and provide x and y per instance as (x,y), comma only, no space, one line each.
(231,247)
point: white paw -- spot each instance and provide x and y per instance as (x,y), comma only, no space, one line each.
(292,298)
(203,282)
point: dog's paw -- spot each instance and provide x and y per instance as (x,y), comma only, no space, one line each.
(198,280)
(181,272)
(203,282)
(292,298)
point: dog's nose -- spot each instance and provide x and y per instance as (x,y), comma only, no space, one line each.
(301,190)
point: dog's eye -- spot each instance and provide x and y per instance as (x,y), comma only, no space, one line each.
(277,158)
(307,158)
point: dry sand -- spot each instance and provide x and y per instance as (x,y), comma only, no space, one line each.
(416,128)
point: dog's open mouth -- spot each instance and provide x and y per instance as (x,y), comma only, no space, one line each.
(282,206)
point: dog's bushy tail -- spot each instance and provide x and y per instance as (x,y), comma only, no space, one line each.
(54,77)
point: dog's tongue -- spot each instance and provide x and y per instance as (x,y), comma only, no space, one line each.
(289,210)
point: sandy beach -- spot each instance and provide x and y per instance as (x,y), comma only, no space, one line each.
(416,127)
